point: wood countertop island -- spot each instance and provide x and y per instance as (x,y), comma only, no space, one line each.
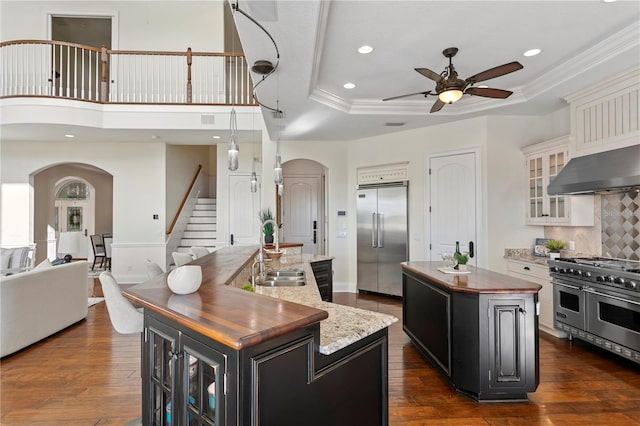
(476,281)
(479,329)
(226,356)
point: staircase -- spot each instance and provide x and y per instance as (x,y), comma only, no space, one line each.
(201,228)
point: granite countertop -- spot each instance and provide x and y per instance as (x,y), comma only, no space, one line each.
(345,325)
(525,255)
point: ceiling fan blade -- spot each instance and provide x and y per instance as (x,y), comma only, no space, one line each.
(488,92)
(437,106)
(429,74)
(410,94)
(495,72)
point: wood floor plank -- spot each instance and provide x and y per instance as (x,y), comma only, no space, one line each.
(88,374)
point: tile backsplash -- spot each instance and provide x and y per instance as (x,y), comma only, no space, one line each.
(621,225)
(616,232)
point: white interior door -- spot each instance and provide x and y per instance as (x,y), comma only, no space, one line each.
(244,227)
(300,214)
(452,195)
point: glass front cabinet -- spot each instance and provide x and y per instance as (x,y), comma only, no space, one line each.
(543,163)
(196,397)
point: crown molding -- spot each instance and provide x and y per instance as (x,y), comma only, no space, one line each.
(603,52)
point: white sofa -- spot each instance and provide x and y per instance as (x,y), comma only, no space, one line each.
(38,303)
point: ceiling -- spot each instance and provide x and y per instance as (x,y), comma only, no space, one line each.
(582,43)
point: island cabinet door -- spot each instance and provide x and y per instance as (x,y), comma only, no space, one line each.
(158,381)
(511,348)
(184,380)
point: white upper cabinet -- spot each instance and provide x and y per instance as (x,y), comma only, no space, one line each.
(544,162)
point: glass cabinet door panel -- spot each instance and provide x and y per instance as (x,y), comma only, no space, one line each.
(205,380)
(162,363)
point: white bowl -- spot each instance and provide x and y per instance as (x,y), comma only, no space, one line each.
(185,279)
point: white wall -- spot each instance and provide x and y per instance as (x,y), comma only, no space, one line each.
(138,171)
(182,163)
(505,180)
(142,25)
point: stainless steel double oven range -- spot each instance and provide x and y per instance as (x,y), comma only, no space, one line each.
(598,300)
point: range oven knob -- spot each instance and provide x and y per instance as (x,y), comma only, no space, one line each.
(610,279)
(577,272)
(632,284)
(562,270)
(601,278)
(586,274)
(619,280)
(570,271)
(554,269)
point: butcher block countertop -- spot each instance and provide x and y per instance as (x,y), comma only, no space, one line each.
(240,319)
(233,317)
(477,281)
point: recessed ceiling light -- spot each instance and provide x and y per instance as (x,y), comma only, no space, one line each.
(69,136)
(483,86)
(216,137)
(365,49)
(349,85)
(532,52)
(155,137)
(608,1)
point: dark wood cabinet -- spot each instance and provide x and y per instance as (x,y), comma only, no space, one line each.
(323,273)
(184,380)
(190,379)
(485,343)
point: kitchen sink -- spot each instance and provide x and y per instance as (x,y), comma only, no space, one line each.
(283,278)
(285,273)
(279,282)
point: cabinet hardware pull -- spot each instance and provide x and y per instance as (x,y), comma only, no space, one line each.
(522,311)
(526,268)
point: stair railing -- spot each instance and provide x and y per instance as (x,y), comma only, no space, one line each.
(180,220)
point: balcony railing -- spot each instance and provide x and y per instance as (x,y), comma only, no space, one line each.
(44,68)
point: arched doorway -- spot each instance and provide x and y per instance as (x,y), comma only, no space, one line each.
(302,205)
(74,217)
(47,184)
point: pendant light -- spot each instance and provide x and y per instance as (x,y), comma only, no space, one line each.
(233,152)
(277,167)
(254,177)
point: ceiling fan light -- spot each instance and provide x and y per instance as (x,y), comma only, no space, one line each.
(450,96)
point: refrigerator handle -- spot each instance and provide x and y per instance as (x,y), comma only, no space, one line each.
(374,234)
(380,230)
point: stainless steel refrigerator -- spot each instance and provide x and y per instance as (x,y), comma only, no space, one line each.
(382,237)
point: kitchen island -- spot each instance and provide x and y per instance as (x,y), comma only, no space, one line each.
(480,329)
(223,355)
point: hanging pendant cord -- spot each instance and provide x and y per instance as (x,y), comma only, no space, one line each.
(236,7)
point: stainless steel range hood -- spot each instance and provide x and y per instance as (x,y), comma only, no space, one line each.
(617,170)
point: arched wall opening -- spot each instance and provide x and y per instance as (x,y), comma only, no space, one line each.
(46,225)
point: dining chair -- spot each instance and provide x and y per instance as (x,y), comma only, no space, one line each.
(98,250)
(199,252)
(125,318)
(107,241)
(153,269)
(181,258)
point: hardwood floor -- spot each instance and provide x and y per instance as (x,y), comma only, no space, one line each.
(88,374)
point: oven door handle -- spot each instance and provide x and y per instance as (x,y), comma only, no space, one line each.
(592,291)
(567,285)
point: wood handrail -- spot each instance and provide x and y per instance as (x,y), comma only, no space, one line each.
(184,200)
